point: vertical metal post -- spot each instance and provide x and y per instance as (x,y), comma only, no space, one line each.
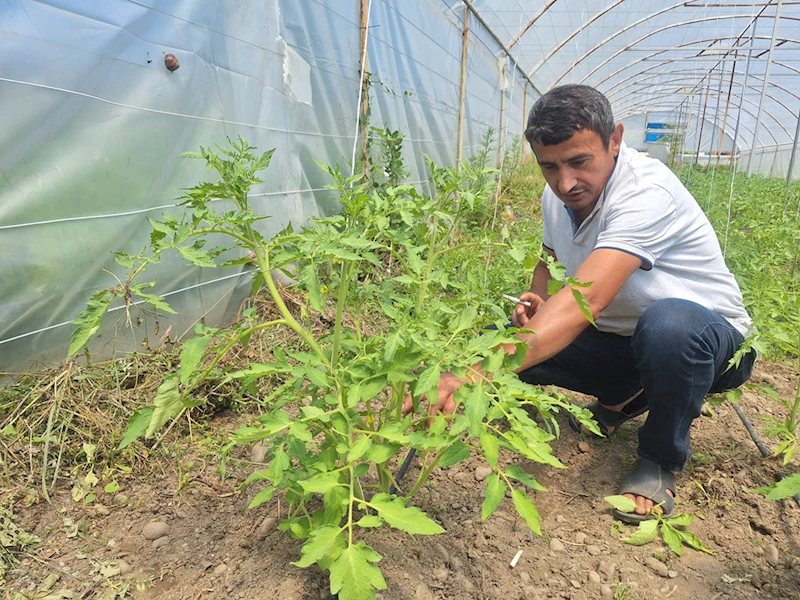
(766,83)
(524,120)
(702,124)
(463,93)
(725,119)
(735,150)
(794,152)
(716,112)
(364,100)
(501,137)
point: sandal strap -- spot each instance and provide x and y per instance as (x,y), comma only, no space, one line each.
(652,481)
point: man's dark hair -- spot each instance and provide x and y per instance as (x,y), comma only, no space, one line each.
(562,111)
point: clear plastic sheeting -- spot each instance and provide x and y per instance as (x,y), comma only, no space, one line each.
(94,122)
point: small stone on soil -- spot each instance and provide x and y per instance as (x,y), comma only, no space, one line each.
(556,545)
(606,591)
(580,537)
(672,574)
(656,566)
(575,584)
(593,577)
(529,593)
(160,542)
(560,518)
(155,530)
(594,550)
(455,563)
(482,473)
(266,527)
(423,593)
(258,452)
(772,555)
(584,447)
(124,567)
(441,574)
(525,577)
(220,570)
(606,568)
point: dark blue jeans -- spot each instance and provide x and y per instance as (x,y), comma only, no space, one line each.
(678,353)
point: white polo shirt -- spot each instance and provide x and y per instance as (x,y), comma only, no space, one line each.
(646,211)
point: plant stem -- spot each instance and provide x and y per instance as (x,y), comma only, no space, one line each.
(344,286)
(350,507)
(423,476)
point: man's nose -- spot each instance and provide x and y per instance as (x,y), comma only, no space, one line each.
(566,180)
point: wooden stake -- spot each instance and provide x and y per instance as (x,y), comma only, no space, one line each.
(364,99)
(463,96)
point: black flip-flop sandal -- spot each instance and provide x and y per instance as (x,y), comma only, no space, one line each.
(652,481)
(609,418)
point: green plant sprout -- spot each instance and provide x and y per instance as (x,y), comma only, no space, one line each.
(334,425)
(671,529)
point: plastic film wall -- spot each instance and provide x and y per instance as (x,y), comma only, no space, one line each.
(93,124)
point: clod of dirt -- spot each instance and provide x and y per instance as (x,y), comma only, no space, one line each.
(673,574)
(606,591)
(593,577)
(580,538)
(584,447)
(160,542)
(656,566)
(530,593)
(124,567)
(423,593)
(258,452)
(441,575)
(556,545)
(443,553)
(482,473)
(772,555)
(594,550)
(154,530)
(607,568)
(220,570)
(267,526)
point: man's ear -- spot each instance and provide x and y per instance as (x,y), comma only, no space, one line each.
(616,139)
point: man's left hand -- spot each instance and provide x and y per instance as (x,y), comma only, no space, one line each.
(448,384)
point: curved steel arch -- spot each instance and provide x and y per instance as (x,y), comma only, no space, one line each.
(646,36)
(530,24)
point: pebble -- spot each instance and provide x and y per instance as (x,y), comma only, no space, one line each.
(155,530)
(482,473)
(593,577)
(480,541)
(455,563)
(442,553)
(258,452)
(461,478)
(554,583)
(606,591)
(220,570)
(672,574)
(124,567)
(772,555)
(584,447)
(266,527)
(556,545)
(656,566)
(160,542)
(575,584)
(594,550)
(423,593)
(529,593)
(606,568)
(441,574)
(525,577)
(580,538)
(560,518)
(464,583)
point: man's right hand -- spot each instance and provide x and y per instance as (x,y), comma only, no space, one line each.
(521,313)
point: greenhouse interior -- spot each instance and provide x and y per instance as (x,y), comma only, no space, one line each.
(353,299)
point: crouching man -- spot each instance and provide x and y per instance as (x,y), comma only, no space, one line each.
(669,313)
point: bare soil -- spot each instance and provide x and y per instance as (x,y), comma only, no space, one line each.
(216,548)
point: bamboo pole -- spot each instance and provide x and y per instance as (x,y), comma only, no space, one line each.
(524,120)
(463,94)
(364,99)
(725,118)
(794,151)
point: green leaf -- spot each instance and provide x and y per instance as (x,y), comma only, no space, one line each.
(111,487)
(393,342)
(197,256)
(691,540)
(491,448)
(321,483)
(137,426)
(308,277)
(621,503)
(409,519)
(380,453)
(167,405)
(680,520)
(494,361)
(261,497)
(785,488)
(89,321)
(259,370)
(370,521)
(454,454)
(318,377)
(428,380)
(466,319)
(274,422)
(515,472)
(359,447)
(353,576)
(325,541)
(191,354)
(153,300)
(554,286)
(583,304)
(494,493)
(526,510)
(475,406)
(645,534)
(300,431)
(671,539)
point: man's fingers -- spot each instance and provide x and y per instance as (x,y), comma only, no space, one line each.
(408,405)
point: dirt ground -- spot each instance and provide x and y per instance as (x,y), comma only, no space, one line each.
(216,548)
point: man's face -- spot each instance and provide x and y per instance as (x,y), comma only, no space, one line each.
(578,169)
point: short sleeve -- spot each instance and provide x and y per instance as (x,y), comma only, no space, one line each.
(547,234)
(641,222)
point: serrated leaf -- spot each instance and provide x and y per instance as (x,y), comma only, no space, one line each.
(494,361)
(671,539)
(475,406)
(317,376)
(300,431)
(409,519)
(393,342)
(137,426)
(691,540)
(785,488)
(491,448)
(197,256)
(261,497)
(309,279)
(191,354)
(515,472)
(370,521)
(428,380)
(321,483)
(466,319)
(554,286)
(494,493)
(583,304)
(153,300)
(645,534)
(526,510)
(325,541)
(359,447)
(621,503)
(89,321)
(353,576)
(680,520)
(454,454)
(380,453)
(167,405)
(260,370)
